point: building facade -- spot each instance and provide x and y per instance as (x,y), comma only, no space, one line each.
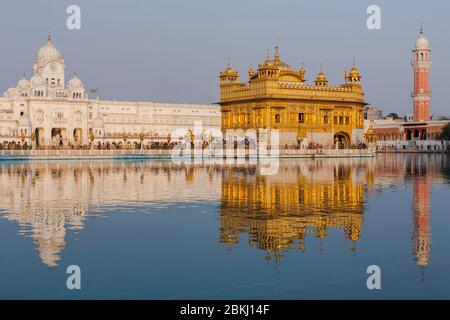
(276,96)
(372,113)
(50,111)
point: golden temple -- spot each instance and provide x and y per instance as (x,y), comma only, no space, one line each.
(276,96)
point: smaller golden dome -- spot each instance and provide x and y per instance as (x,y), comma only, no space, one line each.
(321,79)
(229,74)
(354,72)
(354,76)
(251,72)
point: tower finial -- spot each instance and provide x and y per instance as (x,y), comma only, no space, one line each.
(228,63)
(268,54)
(49,38)
(277,55)
(354,63)
(421,28)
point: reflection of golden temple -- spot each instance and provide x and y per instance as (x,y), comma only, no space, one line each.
(278,212)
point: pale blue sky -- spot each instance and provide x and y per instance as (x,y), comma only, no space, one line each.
(173,50)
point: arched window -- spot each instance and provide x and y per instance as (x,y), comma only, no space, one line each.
(277,118)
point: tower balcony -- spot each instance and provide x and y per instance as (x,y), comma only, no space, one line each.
(421,93)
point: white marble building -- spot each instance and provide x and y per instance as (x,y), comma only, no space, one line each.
(60,112)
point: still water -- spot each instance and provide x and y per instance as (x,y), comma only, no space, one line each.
(159,230)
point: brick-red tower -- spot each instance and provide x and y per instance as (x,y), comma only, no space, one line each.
(421,63)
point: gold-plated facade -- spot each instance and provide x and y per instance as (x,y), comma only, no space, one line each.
(278,97)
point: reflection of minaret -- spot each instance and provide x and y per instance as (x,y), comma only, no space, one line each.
(421,207)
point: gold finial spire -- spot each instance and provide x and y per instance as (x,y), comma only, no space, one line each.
(277,55)
(228,63)
(268,54)
(251,72)
(302,71)
(354,63)
(49,37)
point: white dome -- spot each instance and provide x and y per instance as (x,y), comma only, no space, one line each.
(11,92)
(422,43)
(23,83)
(37,80)
(75,82)
(48,52)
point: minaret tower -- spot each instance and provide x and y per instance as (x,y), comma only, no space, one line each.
(421,63)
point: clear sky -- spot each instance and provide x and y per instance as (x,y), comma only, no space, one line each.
(173,50)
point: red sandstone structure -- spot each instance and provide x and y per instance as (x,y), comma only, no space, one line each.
(421,130)
(421,63)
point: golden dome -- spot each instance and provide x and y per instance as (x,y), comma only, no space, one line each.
(321,76)
(354,72)
(354,76)
(276,63)
(321,79)
(229,74)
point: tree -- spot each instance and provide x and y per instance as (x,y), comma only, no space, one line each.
(445,135)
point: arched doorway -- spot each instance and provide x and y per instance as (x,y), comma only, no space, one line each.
(39,136)
(59,135)
(341,140)
(408,135)
(77,135)
(416,134)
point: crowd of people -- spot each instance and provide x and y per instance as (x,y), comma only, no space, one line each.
(418,148)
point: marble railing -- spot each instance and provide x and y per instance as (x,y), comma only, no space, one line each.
(162,153)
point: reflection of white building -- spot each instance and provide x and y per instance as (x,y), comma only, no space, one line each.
(61,112)
(46,199)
